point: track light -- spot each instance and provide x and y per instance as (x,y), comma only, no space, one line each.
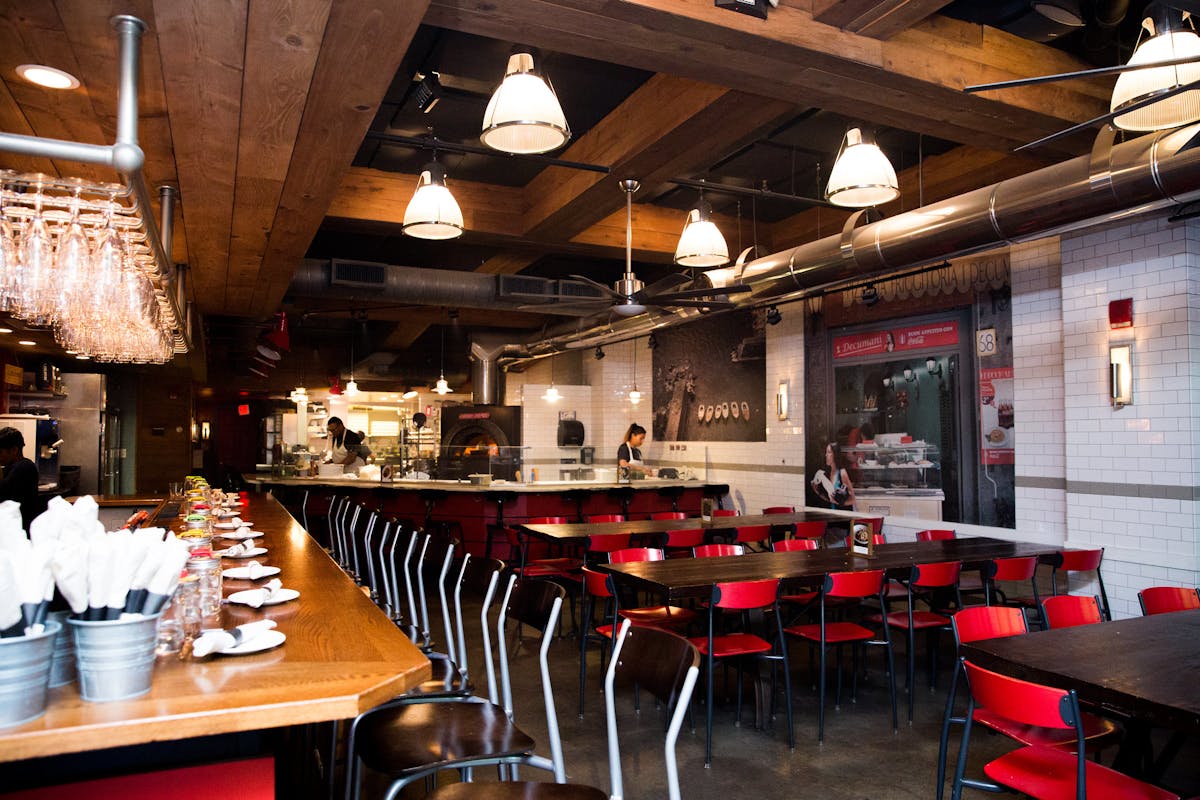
(428,92)
(870,295)
(773,316)
(652,341)
(599,354)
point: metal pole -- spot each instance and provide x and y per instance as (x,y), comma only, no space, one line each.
(57,149)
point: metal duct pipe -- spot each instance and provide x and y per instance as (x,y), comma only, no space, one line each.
(1135,177)
(487,376)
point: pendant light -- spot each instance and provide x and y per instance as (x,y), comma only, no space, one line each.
(442,387)
(351,389)
(701,243)
(552,394)
(524,115)
(635,396)
(862,176)
(433,213)
(1168,40)
(299,396)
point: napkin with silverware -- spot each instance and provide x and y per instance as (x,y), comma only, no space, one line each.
(255,570)
(241,548)
(257,598)
(219,641)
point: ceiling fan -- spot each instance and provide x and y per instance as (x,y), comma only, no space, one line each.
(1172,43)
(629,296)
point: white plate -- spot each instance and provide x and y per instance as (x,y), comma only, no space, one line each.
(251,553)
(243,573)
(232,526)
(239,536)
(994,441)
(282,596)
(264,641)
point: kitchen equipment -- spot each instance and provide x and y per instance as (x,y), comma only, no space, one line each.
(480,479)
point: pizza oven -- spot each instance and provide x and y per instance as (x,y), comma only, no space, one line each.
(478,439)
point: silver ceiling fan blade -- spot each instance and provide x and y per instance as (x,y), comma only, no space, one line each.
(606,289)
(1083,73)
(721,304)
(599,304)
(690,294)
(664,284)
(1110,116)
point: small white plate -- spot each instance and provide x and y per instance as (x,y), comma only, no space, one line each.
(232,526)
(251,553)
(240,536)
(282,596)
(264,641)
(243,573)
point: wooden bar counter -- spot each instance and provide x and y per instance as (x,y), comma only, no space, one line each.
(342,656)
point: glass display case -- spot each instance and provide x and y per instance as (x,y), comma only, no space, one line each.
(894,477)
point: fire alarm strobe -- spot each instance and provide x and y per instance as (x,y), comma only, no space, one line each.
(755,8)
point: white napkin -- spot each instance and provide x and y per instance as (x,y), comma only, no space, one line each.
(244,546)
(244,530)
(70,567)
(220,641)
(10,603)
(255,570)
(236,521)
(48,526)
(12,533)
(256,598)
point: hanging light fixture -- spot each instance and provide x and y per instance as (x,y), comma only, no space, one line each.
(701,243)
(441,387)
(862,176)
(351,389)
(1168,40)
(552,394)
(524,115)
(433,213)
(635,396)
(299,396)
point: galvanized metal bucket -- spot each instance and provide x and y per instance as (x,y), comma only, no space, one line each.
(25,675)
(62,668)
(115,658)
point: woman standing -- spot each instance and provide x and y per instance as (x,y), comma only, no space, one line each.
(832,482)
(629,455)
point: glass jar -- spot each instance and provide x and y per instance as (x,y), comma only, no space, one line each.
(206,569)
(180,618)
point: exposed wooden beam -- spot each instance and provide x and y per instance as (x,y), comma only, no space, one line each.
(507,263)
(363,44)
(879,19)
(912,81)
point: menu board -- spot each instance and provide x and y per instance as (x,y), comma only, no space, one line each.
(996,416)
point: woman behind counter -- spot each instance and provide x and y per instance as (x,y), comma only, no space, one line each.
(345,447)
(832,482)
(628,454)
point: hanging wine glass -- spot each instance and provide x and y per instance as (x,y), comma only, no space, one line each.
(37,264)
(72,265)
(9,258)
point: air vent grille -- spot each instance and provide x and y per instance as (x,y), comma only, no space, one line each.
(358,273)
(525,287)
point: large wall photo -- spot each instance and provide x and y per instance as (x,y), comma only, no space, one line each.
(710,380)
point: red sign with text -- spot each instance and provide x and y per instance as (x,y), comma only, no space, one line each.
(996,416)
(916,337)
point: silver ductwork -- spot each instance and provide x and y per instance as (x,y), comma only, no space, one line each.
(1113,182)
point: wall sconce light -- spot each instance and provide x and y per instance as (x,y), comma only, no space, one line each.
(781,400)
(932,366)
(1120,375)
(205,430)
(599,354)
(773,316)
(195,431)
(908,375)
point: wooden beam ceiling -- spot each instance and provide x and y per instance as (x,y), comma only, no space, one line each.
(879,19)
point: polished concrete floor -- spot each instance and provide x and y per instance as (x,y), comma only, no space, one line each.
(861,756)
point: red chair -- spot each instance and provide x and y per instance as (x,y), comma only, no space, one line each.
(717,550)
(1041,772)
(749,535)
(925,578)
(668,515)
(600,546)
(521,549)
(741,596)
(1165,599)
(849,585)
(1082,561)
(1012,570)
(810,530)
(1069,610)
(967,584)
(934,535)
(877,538)
(680,543)
(725,512)
(247,779)
(606,518)
(779,510)
(791,545)
(993,622)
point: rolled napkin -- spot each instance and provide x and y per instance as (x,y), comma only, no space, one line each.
(12,621)
(127,556)
(220,641)
(69,565)
(166,577)
(12,533)
(244,530)
(241,548)
(255,570)
(236,521)
(256,598)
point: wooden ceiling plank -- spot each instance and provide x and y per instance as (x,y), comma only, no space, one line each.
(283,39)
(688,37)
(507,263)
(202,48)
(879,19)
(33,33)
(12,120)
(361,50)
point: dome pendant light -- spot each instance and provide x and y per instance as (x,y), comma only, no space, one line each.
(433,213)
(1167,41)
(701,243)
(552,394)
(862,176)
(524,115)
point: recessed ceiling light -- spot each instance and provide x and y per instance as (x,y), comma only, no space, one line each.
(5,330)
(83,358)
(49,77)
(26,342)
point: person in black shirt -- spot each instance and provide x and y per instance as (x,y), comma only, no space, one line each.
(20,481)
(629,454)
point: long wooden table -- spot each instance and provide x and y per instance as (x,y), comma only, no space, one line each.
(576,531)
(1145,667)
(342,656)
(694,577)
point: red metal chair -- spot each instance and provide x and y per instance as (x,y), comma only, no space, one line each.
(680,543)
(1043,773)
(876,524)
(1165,599)
(725,512)
(717,550)
(935,535)
(742,596)
(1069,610)
(599,547)
(925,578)
(753,535)
(669,515)
(1013,570)
(1082,561)
(849,585)
(790,545)
(779,510)
(993,622)
(810,530)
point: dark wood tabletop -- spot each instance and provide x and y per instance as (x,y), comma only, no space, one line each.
(694,577)
(582,530)
(342,656)
(1146,667)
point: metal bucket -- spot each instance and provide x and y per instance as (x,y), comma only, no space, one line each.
(115,658)
(25,675)
(62,668)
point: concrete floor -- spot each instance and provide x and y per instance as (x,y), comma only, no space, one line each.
(860,758)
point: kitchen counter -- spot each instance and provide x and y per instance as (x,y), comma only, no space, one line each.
(261,479)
